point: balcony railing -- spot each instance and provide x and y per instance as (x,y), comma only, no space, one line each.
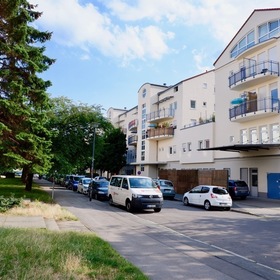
(160,115)
(132,140)
(160,133)
(263,68)
(132,126)
(248,108)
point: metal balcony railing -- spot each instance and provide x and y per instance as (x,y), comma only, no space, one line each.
(132,140)
(253,106)
(160,114)
(262,68)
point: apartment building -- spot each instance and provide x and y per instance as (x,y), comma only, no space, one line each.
(227,118)
(169,125)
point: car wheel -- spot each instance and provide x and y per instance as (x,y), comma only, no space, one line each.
(207,205)
(128,206)
(227,208)
(186,201)
(111,202)
(157,210)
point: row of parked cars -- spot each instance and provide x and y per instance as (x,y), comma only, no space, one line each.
(144,192)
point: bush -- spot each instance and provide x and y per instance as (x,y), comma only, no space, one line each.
(8,202)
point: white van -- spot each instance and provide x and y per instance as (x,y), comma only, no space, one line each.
(134,192)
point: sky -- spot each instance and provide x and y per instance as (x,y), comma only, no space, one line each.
(105,50)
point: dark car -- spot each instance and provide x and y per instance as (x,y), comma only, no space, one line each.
(238,189)
(98,189)
(74,181)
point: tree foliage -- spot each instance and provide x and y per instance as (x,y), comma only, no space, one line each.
(24,139)
(73,131)
(114,151)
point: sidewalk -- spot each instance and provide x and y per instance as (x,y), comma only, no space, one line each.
(261,207)
(257,206)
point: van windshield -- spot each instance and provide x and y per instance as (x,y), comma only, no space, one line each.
(141,183)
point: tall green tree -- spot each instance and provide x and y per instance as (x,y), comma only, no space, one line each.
(114,151)
(73,127)
(24,139)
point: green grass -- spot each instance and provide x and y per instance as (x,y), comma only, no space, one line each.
(16,187)
(43,254)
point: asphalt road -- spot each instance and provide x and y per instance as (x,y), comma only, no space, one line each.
(184,242)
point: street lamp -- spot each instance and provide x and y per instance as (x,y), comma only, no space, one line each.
(95,125)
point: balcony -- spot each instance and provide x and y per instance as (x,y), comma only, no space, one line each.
(132,140)
(132,126)
(254,109)
(160,116)
(160,133)
(248,76)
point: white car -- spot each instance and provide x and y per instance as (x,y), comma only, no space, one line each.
(83,185)
(208,196)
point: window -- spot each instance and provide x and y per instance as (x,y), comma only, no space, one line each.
(193,104)
(207,143)
(275,134)
(142,155)
(142,168)
(200,146)
(184,147)
(189,146)
(253,136)
(204,104)
(268,30)
(174,149)
(245,43)
(263,134)
(170,150)
(175,88)
(243,136)
(231,139)
(204,85)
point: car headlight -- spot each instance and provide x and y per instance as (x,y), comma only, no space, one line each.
(135,195)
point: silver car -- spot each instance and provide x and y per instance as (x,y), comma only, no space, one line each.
(209,197)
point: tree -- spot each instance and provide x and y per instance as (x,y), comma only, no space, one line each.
(73,131)
(24,139)
(114,151)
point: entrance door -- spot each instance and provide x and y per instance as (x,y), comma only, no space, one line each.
(273,185)
(254,182)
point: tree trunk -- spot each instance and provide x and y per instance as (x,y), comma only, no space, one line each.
(28,184)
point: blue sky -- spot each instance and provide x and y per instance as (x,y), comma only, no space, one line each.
(105,50)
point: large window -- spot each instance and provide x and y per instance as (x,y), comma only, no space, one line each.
(245,43)
(269,30)
(275,133)
(243,136)
(263,135)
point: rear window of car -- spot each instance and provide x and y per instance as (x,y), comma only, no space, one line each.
(241,184)
(165,183)
(219,191)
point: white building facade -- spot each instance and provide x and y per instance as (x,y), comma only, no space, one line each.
(227,118)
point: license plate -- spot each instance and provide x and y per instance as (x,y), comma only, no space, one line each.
(223,204)
(151,206)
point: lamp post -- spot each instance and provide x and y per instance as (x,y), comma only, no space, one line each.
(95,125)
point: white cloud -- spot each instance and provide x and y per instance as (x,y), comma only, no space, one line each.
(86,27)
(140,29)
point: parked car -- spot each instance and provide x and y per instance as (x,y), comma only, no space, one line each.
(208,196)
(134,192)
(98,190)
(74,181)
(83,185)
(166,187)
(238,188)
(97,178)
